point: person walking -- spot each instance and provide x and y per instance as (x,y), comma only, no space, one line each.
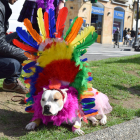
(132,35)
(124,36)
(11,57)
(117,37)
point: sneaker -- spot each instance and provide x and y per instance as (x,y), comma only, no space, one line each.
(15,87)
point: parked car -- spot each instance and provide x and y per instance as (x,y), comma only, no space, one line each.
(13,23)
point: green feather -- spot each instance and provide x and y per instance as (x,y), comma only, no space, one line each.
(89,40)
(83,51)
(68,31)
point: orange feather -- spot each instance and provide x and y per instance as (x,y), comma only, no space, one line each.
(93,114)
(30,56)
(75,29)
(33,32)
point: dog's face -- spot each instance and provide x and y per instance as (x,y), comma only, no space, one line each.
(52,101)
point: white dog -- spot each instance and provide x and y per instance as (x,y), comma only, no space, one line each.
(52,102)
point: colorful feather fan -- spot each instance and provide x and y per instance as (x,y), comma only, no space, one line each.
(59,59)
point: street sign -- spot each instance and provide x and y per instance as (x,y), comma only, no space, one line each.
(135,11)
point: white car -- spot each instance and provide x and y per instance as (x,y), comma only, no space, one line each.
(13,23)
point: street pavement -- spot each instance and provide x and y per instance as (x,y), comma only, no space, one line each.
(129,130)
(99,51)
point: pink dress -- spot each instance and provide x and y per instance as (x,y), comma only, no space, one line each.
(101,102)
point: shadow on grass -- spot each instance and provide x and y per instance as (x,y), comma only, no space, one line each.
(12,123)
(135,60)
(134,90)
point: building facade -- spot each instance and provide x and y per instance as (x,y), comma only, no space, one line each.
(105,15)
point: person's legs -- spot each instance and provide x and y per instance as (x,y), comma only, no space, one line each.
(10,69)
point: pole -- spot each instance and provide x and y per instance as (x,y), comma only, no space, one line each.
(136,36)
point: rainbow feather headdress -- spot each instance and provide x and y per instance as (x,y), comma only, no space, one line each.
(51,56)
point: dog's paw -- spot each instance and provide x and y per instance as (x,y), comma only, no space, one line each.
(95,123)
(103,121)
(78,131)
(31,126)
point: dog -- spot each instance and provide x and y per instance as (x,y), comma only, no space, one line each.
(53,101)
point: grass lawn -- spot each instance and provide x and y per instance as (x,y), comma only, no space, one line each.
(118,78)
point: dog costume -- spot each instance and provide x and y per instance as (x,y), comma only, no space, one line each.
(55,58)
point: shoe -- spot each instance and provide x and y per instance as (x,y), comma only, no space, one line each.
(15,87)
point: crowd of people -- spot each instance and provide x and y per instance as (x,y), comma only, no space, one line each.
(129,36)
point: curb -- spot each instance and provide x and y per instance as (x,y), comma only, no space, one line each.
(129,130)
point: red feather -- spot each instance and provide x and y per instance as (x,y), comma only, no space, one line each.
(46,23)
(24,47)
(61,21)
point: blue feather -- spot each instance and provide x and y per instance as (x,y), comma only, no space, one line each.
(29,65)
(89,78)
(88,106)
(52,23)
(26,37)
(87,100)
(83,60)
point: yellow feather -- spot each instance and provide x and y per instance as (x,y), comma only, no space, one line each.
(56,52)
(41,23)
(27,75)
(27,61)
(80,37)
(27,86)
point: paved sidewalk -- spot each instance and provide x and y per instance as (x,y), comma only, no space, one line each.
(129,130)
(109,47)
(102,51)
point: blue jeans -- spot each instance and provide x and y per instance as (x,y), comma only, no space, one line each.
(10,68)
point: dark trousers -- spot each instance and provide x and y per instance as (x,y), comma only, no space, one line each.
(10,68)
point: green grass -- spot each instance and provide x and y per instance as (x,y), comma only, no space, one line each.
(112,76)
(118,78)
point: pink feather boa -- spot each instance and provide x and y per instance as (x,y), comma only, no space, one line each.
(66,114)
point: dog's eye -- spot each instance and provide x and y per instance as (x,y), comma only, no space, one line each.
(43,99)
(55,100)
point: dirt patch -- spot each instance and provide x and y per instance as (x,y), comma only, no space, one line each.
(133,73)
(132,103)
(13,117)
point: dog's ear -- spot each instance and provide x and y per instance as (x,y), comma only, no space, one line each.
(44,89)
(65,94)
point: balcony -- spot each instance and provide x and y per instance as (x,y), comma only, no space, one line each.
(122,1)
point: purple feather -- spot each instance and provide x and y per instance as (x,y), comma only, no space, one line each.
(45,4)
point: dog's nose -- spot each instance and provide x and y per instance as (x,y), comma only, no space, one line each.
(47,107)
